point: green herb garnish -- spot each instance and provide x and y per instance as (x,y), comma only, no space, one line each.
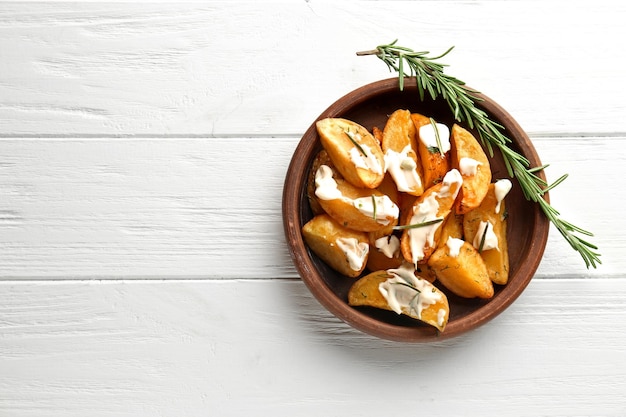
(418,225)
(374,206)
(350,136)
(437,137)
(430,77)
(483,237)
(413,303)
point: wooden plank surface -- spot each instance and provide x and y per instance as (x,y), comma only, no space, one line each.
(234,348)
(234,67)
(211,208)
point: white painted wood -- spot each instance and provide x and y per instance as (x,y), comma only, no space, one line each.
(266,347)
(268,67)
(211,208)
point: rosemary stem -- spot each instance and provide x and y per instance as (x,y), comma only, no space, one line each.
(431,79)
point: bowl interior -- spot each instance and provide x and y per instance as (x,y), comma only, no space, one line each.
(527,227)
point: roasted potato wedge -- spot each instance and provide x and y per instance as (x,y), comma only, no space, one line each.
(418,243)
(496,259)
(401,291)
(399,146)
(426,272)
(384,252)
(362,209)
(354,151)
(435,163)
(460,268)
(470,159)
(452,227)
(344,250)
(388,188)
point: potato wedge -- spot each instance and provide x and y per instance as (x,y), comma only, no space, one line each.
(451,227)
(470,159)
(496,259)
(354,151)
(401,291)
(434,163)
(399,146)
(344,250)
(464,273)
(418,243)
(384,252)
(362,209)
(388,188)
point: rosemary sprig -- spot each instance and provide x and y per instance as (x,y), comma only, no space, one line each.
(373,207)
(437,137)
(350,136)
(413,303)
(417,225)
(430,78)
(481,245)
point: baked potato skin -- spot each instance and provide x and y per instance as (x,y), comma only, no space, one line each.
(464,145)
(365,292)
(434,165)
(335,134)
(446,203)
(496,260)
(465,274)
(345,213)
(400,132)
(321,234)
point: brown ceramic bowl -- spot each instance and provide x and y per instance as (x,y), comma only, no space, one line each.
(370,106)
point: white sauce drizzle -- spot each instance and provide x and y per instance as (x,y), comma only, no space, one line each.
(326,189)
(354,250)
(402,169)
(367,161)
(501,188)
(402,298)
(441,316)
(325,184)
(468,166)
(491,240)
(429,139)
(388,245)
(385,208)
(454,246)
(427,211)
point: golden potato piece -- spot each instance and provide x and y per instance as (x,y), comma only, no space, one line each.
(378,134)
(384,252)
(496,259)
(464,273)
(399,146)
(434,164)
(344,250)
(401,291)
(451,227)
(470,159)
(361,209)
(354,151)
(429,211)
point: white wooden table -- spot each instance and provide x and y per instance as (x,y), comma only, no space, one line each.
(143,267)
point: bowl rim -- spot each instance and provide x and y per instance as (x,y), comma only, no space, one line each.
(328,298)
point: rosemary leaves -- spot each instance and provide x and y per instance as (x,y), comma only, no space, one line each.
(431,79)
